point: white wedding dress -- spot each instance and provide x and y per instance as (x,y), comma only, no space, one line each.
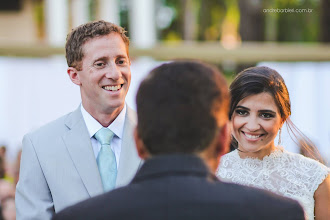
(282,172)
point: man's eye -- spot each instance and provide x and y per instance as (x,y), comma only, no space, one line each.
(100,64)
(121,62)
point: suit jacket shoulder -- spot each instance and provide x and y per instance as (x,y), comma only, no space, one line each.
(181,187)
(260,204)
(131,115)
(129,160)
(58,166)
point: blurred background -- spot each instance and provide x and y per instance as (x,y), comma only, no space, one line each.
(291,36)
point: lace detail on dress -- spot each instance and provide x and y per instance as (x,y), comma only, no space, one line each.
(284,173)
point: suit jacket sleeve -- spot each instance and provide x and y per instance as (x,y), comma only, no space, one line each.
(33,198)
(293,211)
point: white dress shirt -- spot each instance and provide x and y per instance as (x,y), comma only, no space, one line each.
(117,127)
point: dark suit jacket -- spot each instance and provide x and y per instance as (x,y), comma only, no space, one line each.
(179,187)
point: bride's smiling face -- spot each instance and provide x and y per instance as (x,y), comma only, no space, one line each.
(255,124)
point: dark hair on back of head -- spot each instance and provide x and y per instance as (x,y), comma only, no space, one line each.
(178,105)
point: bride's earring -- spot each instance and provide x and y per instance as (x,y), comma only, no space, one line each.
(279,137)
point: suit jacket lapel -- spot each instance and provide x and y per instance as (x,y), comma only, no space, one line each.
(129,159)
(80,149)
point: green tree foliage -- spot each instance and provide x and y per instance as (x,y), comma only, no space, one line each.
(298,26)
(255,24)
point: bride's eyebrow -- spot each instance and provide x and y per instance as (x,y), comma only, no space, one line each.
(242,107)
(267,111)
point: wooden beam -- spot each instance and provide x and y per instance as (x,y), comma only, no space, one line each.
(209,52)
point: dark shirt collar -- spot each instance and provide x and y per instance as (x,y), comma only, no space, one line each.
(173,164)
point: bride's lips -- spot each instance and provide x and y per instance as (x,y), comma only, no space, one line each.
(251,136)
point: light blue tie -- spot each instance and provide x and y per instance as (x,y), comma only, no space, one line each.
(106,160)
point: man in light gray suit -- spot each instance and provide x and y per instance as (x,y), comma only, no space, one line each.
(60,162)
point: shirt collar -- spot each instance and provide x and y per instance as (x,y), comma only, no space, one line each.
(174,164)
(117,126)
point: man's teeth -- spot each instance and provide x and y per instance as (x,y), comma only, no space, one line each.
(252,136)
(112,88)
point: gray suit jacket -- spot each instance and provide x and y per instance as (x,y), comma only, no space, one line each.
(58,166)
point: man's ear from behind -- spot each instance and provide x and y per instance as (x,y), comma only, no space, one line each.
(223,140)
(140,147)
(219,146)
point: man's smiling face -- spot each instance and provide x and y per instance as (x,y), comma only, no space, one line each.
(105,74)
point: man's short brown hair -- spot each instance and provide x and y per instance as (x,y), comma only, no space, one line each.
(85,32)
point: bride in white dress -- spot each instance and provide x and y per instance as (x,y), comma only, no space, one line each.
(260,104)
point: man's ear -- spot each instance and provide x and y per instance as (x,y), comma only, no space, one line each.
(223,145)
(73,74)
(219,147)
(140,148)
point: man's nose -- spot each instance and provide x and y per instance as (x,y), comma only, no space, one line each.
(113,72)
